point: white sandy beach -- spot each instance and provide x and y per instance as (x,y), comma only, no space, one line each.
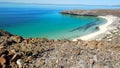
(102,29)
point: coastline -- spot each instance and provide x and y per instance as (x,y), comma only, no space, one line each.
(19,52)
(102,29)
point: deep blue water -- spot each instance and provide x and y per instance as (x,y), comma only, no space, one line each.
(30,20)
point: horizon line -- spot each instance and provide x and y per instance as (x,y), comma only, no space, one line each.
(59,4)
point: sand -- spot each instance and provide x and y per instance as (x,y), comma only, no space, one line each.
(102,28)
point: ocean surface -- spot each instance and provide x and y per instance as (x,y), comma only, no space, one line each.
(45,21)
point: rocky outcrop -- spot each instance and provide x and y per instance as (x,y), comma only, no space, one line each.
(93,12)
(16,52)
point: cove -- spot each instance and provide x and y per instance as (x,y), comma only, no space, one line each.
(46,23)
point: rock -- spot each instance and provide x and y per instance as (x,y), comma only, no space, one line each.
(91,61)
(92,44)
(20,63)
(6,41)
(106,67)
(28,59)
(26,41)
(11,52)
(98,66)
(2,61)
(95,58)
(1,40)
(110,36)
(75,51)
(3,51)
(17,39)
(1,47)
(109,40)
(15,57)
(4,33)
(118,27)
(108,33)
(100,45)
(115,30)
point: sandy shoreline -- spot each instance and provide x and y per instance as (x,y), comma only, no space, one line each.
(102,28)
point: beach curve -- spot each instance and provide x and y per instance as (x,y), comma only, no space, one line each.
(102,28)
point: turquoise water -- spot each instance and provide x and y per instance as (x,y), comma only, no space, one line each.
(45,21)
